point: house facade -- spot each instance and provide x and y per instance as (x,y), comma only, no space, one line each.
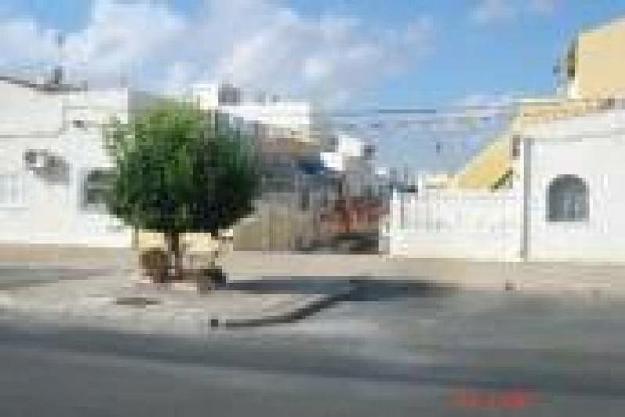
(547,188)
(53,163)
(573,188)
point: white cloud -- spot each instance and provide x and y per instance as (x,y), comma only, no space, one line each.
(326,57)
(546,7)
(487,102)
(256,43)
(22,41)
(120,38)
(492,11)
(485,111)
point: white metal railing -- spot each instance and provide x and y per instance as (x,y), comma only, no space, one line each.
(446,223)
(450,211)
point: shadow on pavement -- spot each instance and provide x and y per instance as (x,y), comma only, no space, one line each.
(361,288)
(292,285)
(383,289)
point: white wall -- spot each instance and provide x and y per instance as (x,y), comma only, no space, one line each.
(283,114)
(332,160)
(45,212)
(593,148)
(489,225)
(350,160)
(350,146)
(15,100)
(289,115)
(455,224)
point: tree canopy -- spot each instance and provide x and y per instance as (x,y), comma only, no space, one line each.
(177,171)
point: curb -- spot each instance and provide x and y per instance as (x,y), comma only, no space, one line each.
(541,288)
(300,311)
(297,309)
(296,314)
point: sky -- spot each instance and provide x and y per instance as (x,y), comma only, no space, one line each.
(389,53)
(338,53)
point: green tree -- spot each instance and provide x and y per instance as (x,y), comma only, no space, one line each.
(178,171)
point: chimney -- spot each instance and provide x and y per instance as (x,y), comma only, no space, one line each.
(57,76)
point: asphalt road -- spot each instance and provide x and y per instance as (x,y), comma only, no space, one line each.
(15,276)
(393,350)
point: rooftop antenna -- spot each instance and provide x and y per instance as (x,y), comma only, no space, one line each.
(57,72)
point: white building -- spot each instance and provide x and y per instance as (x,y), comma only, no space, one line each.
(52,161)
(353,160)
(289,137)
(567,203)
(293,118)
(573,186)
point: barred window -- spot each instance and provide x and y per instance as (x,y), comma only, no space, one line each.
(11,190)
(516,146)
(95,188)
(567,199)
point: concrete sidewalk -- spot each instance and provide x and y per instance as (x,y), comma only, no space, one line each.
(552,277)
(268,288)
(546,277)
(127,303)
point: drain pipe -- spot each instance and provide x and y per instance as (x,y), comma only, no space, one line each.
(527,195)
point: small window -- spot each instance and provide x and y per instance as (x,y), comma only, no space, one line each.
(369,151)
(341,189)
(516,147)
(325,198)
(79,124)
(571,61)
(567,199)
(95,189)
(228,94)
(305,200)
(11,190)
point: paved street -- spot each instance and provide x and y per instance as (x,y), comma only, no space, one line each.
(17,275)
(394,350)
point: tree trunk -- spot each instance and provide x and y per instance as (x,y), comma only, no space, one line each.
(216,273)
(135,238)
(217,251)
(175,255)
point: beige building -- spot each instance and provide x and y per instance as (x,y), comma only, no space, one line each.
(594,66)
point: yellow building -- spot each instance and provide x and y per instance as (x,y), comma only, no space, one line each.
(595,63)
(592,74)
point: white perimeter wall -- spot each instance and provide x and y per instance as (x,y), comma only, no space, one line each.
(486,225)
(455,224)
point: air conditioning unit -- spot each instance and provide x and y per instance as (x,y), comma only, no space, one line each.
(47,165)
(36,159)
